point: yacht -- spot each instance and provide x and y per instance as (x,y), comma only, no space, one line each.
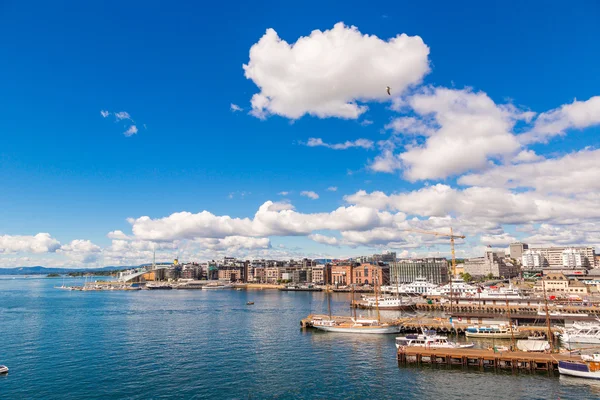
(494,331)
(429,339)
(582,333)
(588,367)
(355,325)
(419,286)
(3,369)
(458,287)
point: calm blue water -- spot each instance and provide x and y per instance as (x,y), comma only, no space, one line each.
(200,344)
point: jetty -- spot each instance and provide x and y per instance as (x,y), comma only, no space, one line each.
(484,358)
(415,324)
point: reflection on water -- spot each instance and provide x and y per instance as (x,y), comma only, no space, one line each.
(210,344)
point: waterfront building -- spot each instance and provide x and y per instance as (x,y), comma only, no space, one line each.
(517,249)
(273,274)
(369,274)
(341,275)
(554,255)
(491,263)
(434,270)
(232,272)
(559,283)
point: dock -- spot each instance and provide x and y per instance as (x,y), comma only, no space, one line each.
(412,324)
(484,359)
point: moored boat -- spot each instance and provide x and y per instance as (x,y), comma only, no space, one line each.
(385,303)
(368,326)
(582,333)
(430,339)
(588,367)
(494,331)
(3,369)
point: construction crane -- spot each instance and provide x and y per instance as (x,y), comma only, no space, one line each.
(451,235)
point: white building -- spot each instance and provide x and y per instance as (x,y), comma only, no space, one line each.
(532,259)
(572,258)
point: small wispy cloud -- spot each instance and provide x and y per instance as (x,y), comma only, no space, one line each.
(332,189)
(363,143)
(235,108)
(283,193)
(122,115)
(366,122)
(131,131)
(310,194)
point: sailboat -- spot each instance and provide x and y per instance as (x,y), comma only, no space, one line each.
(354,324)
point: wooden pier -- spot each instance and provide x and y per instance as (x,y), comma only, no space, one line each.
(484,359)
(500,308)
(439,325)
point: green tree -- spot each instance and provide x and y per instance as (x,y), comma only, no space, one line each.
(490,276)
(467,277)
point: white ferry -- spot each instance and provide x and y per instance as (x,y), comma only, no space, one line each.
(386,303)
(458,287)
(500,293)
(419,287)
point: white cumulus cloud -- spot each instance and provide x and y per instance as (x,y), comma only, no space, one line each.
(327,73)
(310,194)
(131,131)
(235,107)
(40,243)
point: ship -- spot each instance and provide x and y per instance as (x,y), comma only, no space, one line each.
(457,288)
(385,303)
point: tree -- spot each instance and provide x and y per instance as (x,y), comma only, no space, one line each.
(490,276)
(467,277)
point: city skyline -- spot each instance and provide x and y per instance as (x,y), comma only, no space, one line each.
(258,135)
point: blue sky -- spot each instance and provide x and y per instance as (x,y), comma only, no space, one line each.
(176,68)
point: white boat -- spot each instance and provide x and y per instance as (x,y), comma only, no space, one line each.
(458,287)
(3,369)
(494,331)
(364,326)
(582,333)
(419,287)
(500,293)
(386,303)
(217,286)
(588,367)
(429,339)
(533,345)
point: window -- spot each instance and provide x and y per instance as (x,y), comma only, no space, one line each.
(366,272)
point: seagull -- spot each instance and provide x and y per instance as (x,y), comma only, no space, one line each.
(388,90)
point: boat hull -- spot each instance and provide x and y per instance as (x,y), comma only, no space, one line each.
(580,339)
(361,329)
(493,335)
(578,370)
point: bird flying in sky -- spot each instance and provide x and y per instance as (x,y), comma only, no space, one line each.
(388,90)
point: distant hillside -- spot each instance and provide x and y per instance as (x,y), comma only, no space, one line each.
(39,270)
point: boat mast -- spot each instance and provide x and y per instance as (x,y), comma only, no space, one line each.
(376,296)
(352,305)
(550,337)
(328,293)
(510,326)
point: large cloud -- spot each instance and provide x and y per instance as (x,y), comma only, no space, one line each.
(577,115)
(40,243)
(271,219)
(463,130)
(571,174)
(81,250)
(327,73)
